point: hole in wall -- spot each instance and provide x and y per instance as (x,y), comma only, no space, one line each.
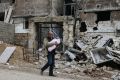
(2,16)
(103,16)
(95,28)
(83,27)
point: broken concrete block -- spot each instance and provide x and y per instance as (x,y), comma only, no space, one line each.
(101,55)
(74,50)
(116,76)
(81,44)
(105,41)
(71,55)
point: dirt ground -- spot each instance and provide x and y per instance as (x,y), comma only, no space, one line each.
(17,75)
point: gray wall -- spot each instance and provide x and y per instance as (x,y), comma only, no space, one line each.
(7,32)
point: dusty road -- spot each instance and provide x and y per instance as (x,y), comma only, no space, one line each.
(16,75)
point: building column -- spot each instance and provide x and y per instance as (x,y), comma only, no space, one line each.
(68,28)
(32,35)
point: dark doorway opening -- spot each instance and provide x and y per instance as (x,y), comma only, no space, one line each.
(2,16)
(42,30)
(83,27)
(103,16)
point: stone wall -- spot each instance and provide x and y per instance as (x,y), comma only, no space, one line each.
(7,32)
(68,38)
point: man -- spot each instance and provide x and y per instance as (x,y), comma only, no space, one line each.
(50,54)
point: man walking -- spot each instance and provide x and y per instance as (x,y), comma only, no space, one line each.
(50,54)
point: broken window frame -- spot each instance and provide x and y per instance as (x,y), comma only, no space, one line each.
(26,24)
(72,7)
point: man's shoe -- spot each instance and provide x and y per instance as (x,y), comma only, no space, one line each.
(53,75)
(41,72)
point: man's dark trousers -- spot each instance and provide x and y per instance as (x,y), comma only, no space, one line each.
(50,63)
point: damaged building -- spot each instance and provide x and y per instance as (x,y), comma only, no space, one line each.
(89,31)
(99,16)
(34,19)
(81,24)
(70,20)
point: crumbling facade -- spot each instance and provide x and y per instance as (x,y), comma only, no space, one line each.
(87,17)
(32,18)
(100,16)
(89,31)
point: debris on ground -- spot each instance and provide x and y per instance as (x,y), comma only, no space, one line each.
(81,60)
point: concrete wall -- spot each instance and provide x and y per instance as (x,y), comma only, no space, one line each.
(104,27)
(90,18)
(37,7)
(32,35)
(98,4)
(21,34)
(115,15)
(32,7)
(20,25)
(7,32)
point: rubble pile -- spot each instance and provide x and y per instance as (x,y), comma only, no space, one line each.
(82,60)
(101,48)
(116,76)
(97,73)
(88,53)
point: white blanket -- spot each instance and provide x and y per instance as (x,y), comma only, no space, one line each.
(53,42)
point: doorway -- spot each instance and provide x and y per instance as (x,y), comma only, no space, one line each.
(42,30)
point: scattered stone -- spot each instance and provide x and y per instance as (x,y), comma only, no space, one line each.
(11,67)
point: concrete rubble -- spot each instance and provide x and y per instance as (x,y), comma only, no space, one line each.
(89,54)
(116,76)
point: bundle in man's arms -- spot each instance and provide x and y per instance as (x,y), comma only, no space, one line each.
(54,41)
